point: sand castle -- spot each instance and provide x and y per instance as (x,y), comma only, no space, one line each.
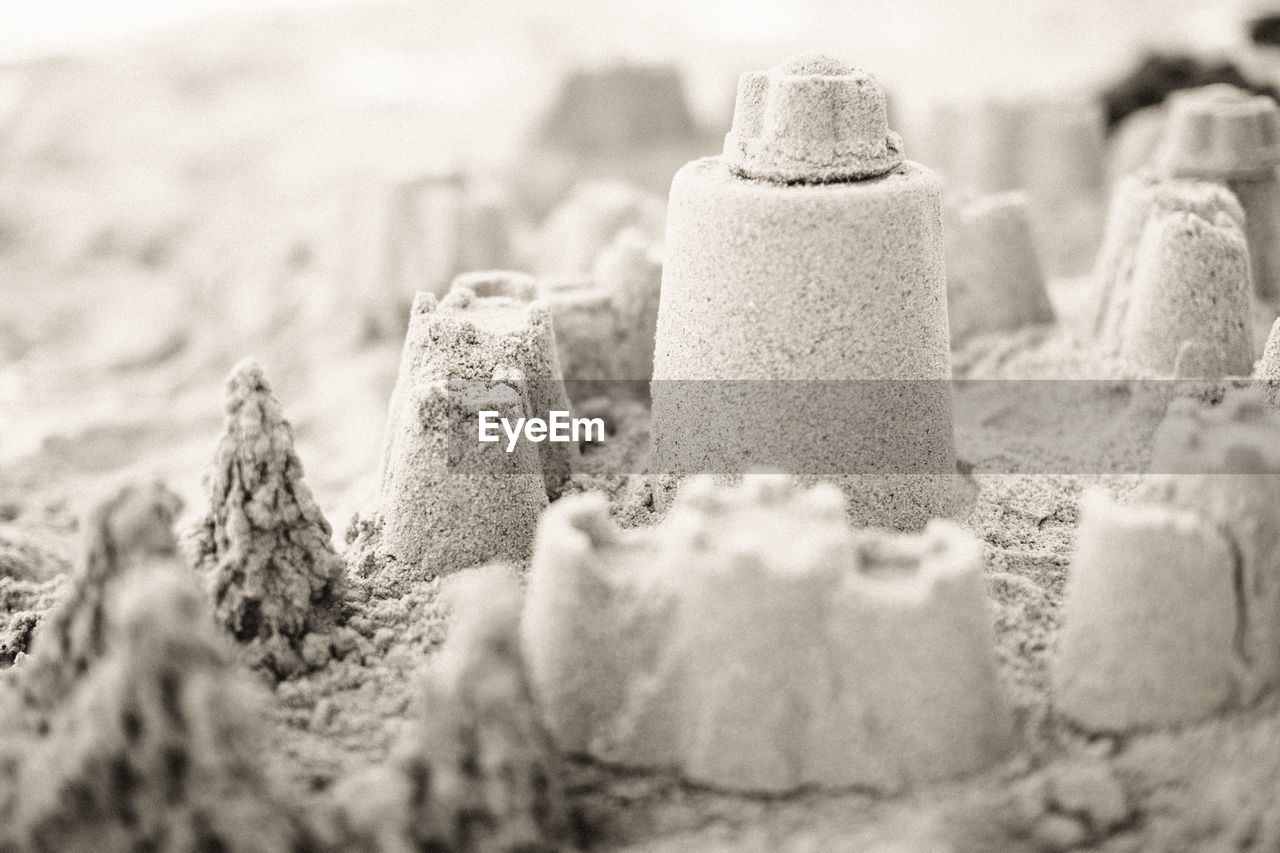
(448,500)
(158,747)
(263,548)
(754,642)
(1224,134)
(811,250)
(1172,607)
(1174,279)
(994,281)
(477,771)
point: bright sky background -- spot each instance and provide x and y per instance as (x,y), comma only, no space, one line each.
(30,28)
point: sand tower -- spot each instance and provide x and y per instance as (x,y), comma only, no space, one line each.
(1172,607)
(450,501)
(1268,368)
(754,641)
(809,254)
(1224,134)
(1174,278)
(994,281)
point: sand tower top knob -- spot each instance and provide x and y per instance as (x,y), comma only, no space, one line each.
(812,119)
(1221,132)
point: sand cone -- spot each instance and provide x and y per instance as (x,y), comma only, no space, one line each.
(264,548)
(1268,368)
(754,642)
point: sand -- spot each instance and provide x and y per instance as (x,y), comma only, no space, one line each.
(79,416)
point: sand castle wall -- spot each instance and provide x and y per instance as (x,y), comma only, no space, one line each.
(994,280)
(809,251)
(1172,607)
(754,642)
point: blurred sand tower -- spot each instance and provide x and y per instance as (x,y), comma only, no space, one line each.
(417,233)
(1227,135)
(810,251)
(1050,146)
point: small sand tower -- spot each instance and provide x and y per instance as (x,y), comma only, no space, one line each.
(1224,134)
(812,251)
(755,642)
(1172,608)
(488,345)
(994,281)
(1174,291)
(1268,368)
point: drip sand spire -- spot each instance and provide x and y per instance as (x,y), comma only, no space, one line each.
(264,547)
(128,532)
(1230,136)
(160,745)
(809,251)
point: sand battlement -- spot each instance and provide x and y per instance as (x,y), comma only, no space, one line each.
(676,646)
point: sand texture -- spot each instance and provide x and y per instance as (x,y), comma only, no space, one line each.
(579,650)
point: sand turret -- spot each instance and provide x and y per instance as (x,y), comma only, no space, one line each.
(753,641)
(1174,278)
(809,251)
(1228,135)
(264,548)
(450,501)
(994,281)
(1172,608)
(1268,369)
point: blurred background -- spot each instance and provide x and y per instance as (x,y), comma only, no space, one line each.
(187,182)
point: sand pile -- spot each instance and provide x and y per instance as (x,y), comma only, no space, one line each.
(263,549)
